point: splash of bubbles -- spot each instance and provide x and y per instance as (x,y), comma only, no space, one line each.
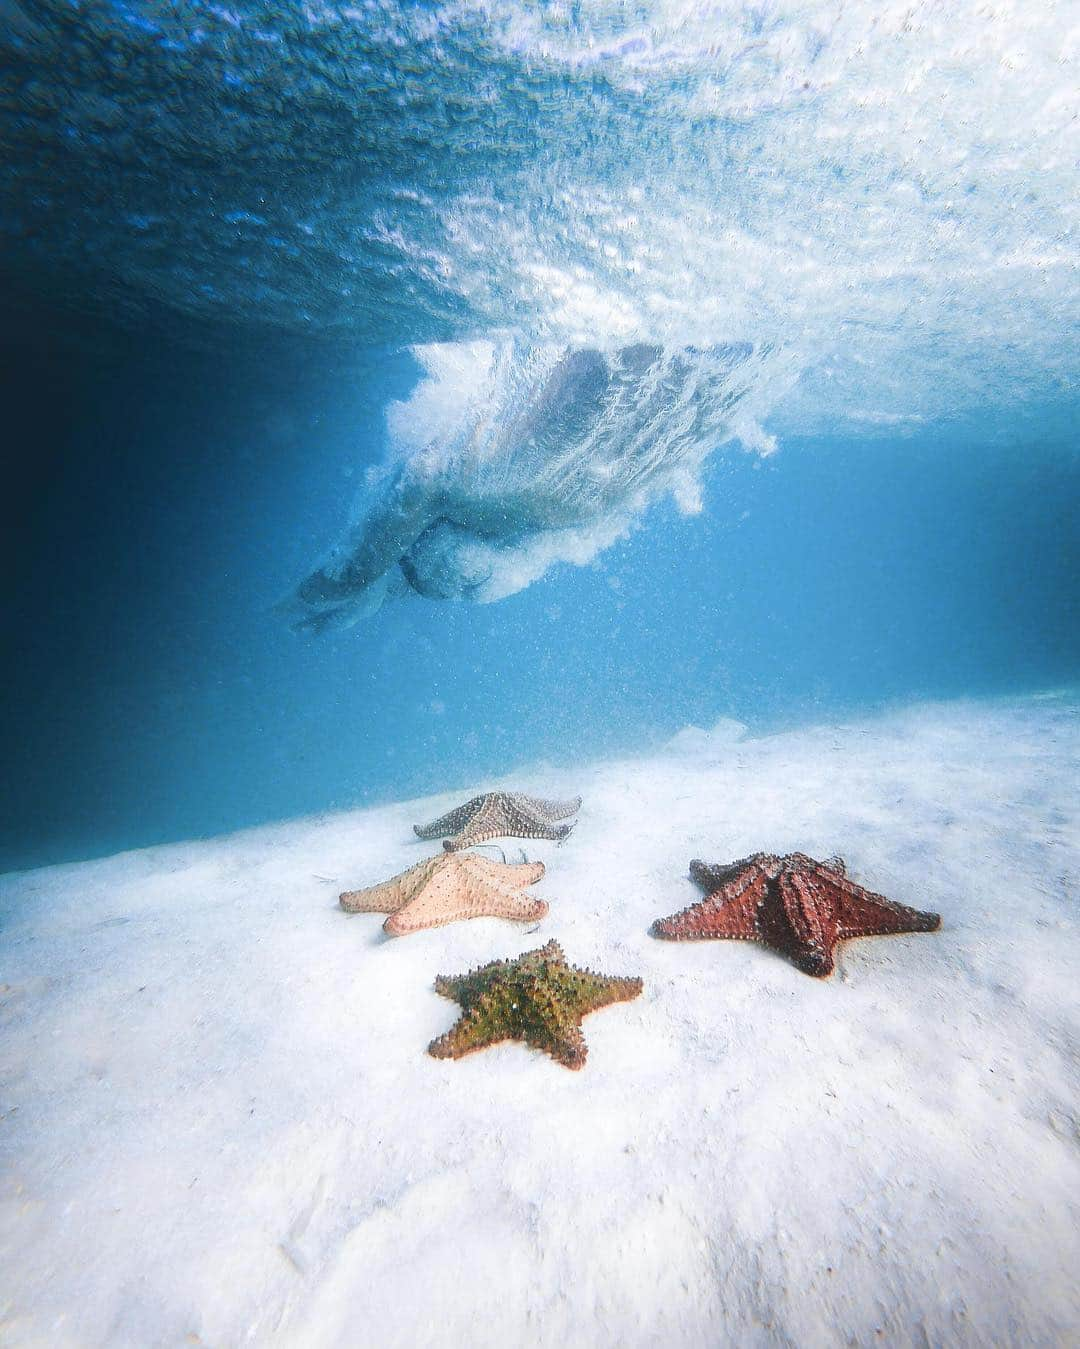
(508,459)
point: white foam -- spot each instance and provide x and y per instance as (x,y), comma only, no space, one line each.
(887,190)
(455,376)
(220,1125)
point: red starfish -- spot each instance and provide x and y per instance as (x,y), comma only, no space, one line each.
(799,907)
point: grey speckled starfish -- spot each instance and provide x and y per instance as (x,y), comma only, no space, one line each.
(500,815)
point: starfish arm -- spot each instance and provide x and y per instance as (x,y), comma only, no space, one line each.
(506,873)
(868,915)
(487,1022)
(551,1021)
(450,823)
(564,1040)
(530,817)
(467,988)
(731,913)
(453,986)
(712,876)
(548,810)
(390,895)
(808,937)
(833,867)
(487,821)
(858,906)
(523,908)
(589,992)
(557,832)
(515,901)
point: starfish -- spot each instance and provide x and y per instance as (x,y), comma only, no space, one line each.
(448,887)
(537,998)
(500,815)
(793,904)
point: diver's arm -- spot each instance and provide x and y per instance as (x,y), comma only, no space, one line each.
(351,583)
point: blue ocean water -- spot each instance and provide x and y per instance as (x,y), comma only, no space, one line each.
(396,395)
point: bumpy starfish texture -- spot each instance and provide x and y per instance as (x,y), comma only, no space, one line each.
(448,887)
(537,998)
(500,815)
(797,906)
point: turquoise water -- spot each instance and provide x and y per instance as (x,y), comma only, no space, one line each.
(754,392)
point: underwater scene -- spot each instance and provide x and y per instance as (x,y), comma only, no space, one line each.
(541,683)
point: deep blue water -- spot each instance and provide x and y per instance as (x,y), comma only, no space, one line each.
(153,692)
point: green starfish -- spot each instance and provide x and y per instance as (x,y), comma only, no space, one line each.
(537,998)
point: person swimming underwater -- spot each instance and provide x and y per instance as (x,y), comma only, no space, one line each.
(554,454)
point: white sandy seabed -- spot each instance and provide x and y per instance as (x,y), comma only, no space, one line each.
(220,1126)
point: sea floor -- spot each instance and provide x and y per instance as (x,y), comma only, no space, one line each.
(219,1124)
